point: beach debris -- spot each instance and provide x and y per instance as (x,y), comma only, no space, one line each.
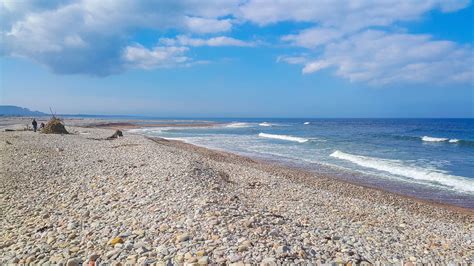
(116,240)
(44,228)
(8,142)
(116,134)
(54,126)
(206,174)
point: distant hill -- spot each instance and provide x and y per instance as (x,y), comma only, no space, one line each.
(11,110)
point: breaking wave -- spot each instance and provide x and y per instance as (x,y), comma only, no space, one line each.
(433,139)
(455,141)
(396,167)
(265,124)
(238,125)
(282,137)
(436,140)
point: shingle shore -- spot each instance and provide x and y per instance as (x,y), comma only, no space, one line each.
(73,199)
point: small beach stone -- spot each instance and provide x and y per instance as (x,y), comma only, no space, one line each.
(203,260)
(164,227)
(283,250)
(201,253)
(234,258)
(73,262)
(182,237)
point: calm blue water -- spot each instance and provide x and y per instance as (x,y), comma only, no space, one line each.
(426,158)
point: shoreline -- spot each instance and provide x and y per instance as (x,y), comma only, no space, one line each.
(141,200)
(129,125)
(412,188)
(305,174)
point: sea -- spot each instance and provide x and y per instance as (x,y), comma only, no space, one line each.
(431,159)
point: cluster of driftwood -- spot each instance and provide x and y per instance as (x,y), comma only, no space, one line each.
(117,134)
(54,126)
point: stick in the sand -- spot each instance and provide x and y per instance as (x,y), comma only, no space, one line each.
(52,114)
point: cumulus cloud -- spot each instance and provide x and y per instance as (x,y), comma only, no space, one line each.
(353,14)
(138,56)
(214,41)
(313,37)
(341,38)
(378,58)
(90,37)
(99,37)
(207,25)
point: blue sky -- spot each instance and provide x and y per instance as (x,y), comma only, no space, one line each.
(239,58)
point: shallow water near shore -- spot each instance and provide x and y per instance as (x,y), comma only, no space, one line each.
(426,158)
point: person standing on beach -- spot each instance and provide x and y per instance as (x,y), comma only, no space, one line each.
(35,125)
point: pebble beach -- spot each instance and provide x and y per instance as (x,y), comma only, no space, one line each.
(80,199)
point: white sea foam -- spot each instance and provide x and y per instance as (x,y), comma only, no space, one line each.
(238,125)
(397,167)
(433,139)
(178,139)
(265,124)
(147,130)
(282,137)
(306,123)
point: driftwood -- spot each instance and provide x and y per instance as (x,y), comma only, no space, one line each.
(54,126)
(117,134)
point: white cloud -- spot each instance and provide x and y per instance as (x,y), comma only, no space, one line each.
(381,58)
(352,14)
(96,37)
(294,60)
(214,41)
(89,36)
(12,11)
(341,38)
(207,25)
(315,66)
(138,56)
(313,37)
